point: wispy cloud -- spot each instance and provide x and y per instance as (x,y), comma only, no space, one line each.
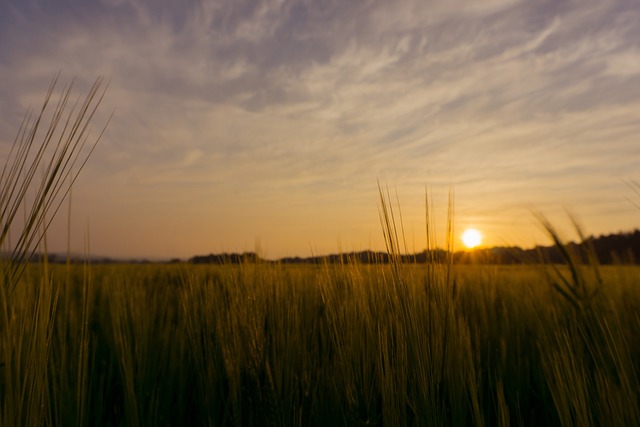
(292,109)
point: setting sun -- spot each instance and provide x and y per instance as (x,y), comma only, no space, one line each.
(471,238)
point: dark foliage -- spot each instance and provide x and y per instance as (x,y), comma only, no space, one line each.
(619,248)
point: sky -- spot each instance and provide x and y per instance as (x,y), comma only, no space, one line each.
(243,125)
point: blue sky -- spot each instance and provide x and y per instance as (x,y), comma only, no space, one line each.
(269,122)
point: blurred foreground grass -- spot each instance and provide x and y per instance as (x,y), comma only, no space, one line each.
(268,344)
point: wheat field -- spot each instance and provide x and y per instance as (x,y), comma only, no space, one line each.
(268,344)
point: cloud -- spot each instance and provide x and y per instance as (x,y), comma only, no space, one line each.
(306,103)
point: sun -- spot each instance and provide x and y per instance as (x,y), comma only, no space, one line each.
(471,238)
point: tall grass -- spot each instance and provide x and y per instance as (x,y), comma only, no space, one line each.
(269,344)
(56,151)
(595,382)
(432,364)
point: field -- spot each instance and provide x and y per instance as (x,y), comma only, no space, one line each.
(269,344)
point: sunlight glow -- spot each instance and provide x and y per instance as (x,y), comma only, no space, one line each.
(471,238)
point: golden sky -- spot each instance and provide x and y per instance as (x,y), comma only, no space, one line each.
(244,123)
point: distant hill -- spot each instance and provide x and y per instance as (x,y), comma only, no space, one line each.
(620,248)
(59,258)
(226,258)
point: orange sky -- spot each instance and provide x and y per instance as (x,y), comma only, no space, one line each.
(268,123)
